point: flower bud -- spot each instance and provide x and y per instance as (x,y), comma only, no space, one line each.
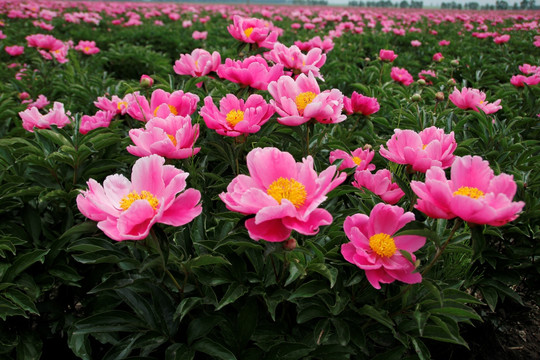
(421,82)
(416,97)
(367,147)
(289,244)
(439,96)
(454,62)
(451,82)
(146,81)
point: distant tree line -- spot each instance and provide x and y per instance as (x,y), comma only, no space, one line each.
(499,5)
(310,2)
(387,3)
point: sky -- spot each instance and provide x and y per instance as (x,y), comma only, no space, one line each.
(432,2)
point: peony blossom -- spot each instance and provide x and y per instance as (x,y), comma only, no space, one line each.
(438,57)
(501,39)
(31,118)
(253,31)
(146,81)
(172,137)
(387,55)
(100,119)
(358,158)
(521,80)
(528,69)
(430,147)
(115,104)
(374,248)
(40,102)
(284,195)
(162,104)
(444,42)
(252,71)
(199,35)
(360,104)
(416,43)
(379,183)
(298,101)
(473,193)
(325,45)
(87,47)
(235,117)
(474,99)
(198,64)
(126,210)
(401,75)
(14,50)
(430,75)
(45,42)
(292,58)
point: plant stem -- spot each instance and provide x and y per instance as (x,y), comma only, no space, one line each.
(457,224)
(164,264)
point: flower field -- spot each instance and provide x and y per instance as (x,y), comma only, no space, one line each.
(184,181)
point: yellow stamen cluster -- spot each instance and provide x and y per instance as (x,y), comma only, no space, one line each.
(424,147)
(383,244)
(289,189)
(121,105)
(234,117)
(356,160)
(172,109)
(172,138)
(86,49)
(248,31)
(127,200)
(471,192)
(304,99)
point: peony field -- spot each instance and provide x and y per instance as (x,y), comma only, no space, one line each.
(202,181)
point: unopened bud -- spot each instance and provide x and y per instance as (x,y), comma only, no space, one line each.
(454,62)
(367,59)
(439,96)
(146,81)
(416,97)
(289,244)
(421,82)
(451,82)
(367,147)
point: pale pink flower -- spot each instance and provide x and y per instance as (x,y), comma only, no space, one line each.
(316,43)
(43,25)
(14,50)
(162,104)
(430,147)
(117,105)
(387,55)
(292,58)
(438,57)
(360,104)
(284,195)
(528,69)
(474,99)
(253,31)
(172,137)
(87,47)
(401,75)
(473,193)
(199,35)
(31,118)
(298,101)
(374,249)
(416,43)
(379,183)
(234,117)
(99,120)
(185,23)
(501,39)
(359,158)
(126,210)
(252,71)
(198,64)
(40,103)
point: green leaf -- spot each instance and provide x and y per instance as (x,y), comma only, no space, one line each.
(446,331)
(234,292)
(213,349)
(378,315)
(205,260)
(328,272)
(22,300)
(112,321)
(179,352)
(30,346)
(421,319)
(23,261)
(185,306)
(309,289)
(200,327)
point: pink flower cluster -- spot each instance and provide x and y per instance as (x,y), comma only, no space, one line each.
(252,71)
(522,80)
(474,99)
(31,118)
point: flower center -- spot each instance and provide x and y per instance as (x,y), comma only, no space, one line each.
(248,31)
(86,49)
(173,139)
(172,109)
(424,146)
(121,105)
(304,99)
(383,244)
(471,192)
(289,189)
(127,200)
(234,117)
(356,160)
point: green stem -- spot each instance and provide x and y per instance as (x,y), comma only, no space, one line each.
(164,264)
(457,224)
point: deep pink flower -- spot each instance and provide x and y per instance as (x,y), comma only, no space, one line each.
(469,98)
(172,137)
(473,193)
(292,58)
(360,104)
(360,158)
(374,249)
(430,147)
(14,50)
(252,71)
(100,119)
(126,210)
(298,101)
(235,117)
(528,69)
(438,57)
(430,75)
(198,64)
(284,195)
(401,75)
(387,55)
(521,80)
(379,183)
(444,43)
(45,42)
(325,45)
(56,116)
(253,31)
(162,104)
(87,47)
(146,81)
(501,39)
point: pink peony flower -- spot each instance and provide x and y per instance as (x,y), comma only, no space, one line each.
(56,116)
(298,101)
(360,158)
(235,117)
(469,98)
(444,43)
(379,183)
(45,42)
(501,39)
(198,64)
(100,119)
(117,105)
(284,195)
(14,50)
(162,104)
(316,43)
(199,35)
(416,43)
(292,58)
(374,249)
(438,57)
(40,103)
(360,104)
(87,47)
(528,69)
(146,81)
(172,137)
(430,75)
(252,71)
(401,75)
(253,31)
(521,80)
(126,210)
(473,193)
(387,55)
(430,147)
